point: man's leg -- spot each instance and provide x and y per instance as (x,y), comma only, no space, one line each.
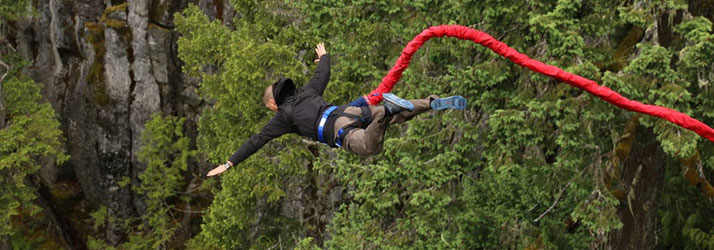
(345,121)
(420,106)
(368,141)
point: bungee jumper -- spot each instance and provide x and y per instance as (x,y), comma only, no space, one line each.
(360,126)
(359,130)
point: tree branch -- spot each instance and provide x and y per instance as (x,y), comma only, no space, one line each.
(186,211)
(7,70)
(555,202)
(2,95)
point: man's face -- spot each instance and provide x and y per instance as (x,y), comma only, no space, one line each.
(272,105)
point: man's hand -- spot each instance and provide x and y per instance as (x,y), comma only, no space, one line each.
(218,170)
(320,50)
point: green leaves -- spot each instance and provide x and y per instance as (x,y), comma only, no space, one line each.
(235,66)
(598,212)
(195,26)
(11,10)
(696,237)
(31,134)
(165,151)
(653,62)
(471,179)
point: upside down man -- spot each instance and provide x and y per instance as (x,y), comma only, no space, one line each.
(356,129)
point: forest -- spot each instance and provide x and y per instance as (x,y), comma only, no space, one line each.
(112,113)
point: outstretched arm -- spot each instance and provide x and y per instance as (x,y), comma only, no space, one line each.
(322,74)
(275,128)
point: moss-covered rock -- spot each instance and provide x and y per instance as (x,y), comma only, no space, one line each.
(115,17)
(95,77)
(117,8)
(157,12)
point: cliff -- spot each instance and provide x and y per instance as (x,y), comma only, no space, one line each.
(106,67)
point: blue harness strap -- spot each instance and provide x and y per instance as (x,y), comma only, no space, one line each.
(323,120)
(338,141)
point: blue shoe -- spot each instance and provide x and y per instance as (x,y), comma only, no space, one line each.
(451,102)
(395,104)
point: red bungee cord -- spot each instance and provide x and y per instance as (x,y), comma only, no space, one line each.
(604,93)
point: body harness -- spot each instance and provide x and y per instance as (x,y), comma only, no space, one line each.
(327,122)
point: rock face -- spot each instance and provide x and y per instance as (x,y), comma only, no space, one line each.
(106,67)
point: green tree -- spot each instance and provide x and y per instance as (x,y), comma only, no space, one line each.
(531,163)
(30,136)
(166,153)
(13,9)
(165,150)
(240,64)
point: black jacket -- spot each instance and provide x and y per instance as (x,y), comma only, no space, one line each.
(298,114)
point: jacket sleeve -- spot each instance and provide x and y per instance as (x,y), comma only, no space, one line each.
(322,76)
(276,127)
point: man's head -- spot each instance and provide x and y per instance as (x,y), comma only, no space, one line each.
(268,99)
(278,93)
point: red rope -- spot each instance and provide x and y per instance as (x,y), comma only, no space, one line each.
(502,49)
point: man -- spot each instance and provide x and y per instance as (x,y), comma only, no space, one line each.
(357,129)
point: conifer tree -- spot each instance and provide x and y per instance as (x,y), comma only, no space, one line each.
(531,163)
(30,137)
(30,134)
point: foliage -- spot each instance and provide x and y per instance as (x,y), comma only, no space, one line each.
(532,162)
(99,217)
(696,238)
(452,187)
(165,151)
(684,209)
(30,139)
(235,66)
(13,9)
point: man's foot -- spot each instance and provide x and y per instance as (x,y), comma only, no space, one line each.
(394,104)
(451,102)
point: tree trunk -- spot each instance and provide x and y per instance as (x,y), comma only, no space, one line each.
(2,107)
(643,175)
(702,8)
(5,243)
(72,238)
(4,73)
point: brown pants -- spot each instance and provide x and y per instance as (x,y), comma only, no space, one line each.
(369,141)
